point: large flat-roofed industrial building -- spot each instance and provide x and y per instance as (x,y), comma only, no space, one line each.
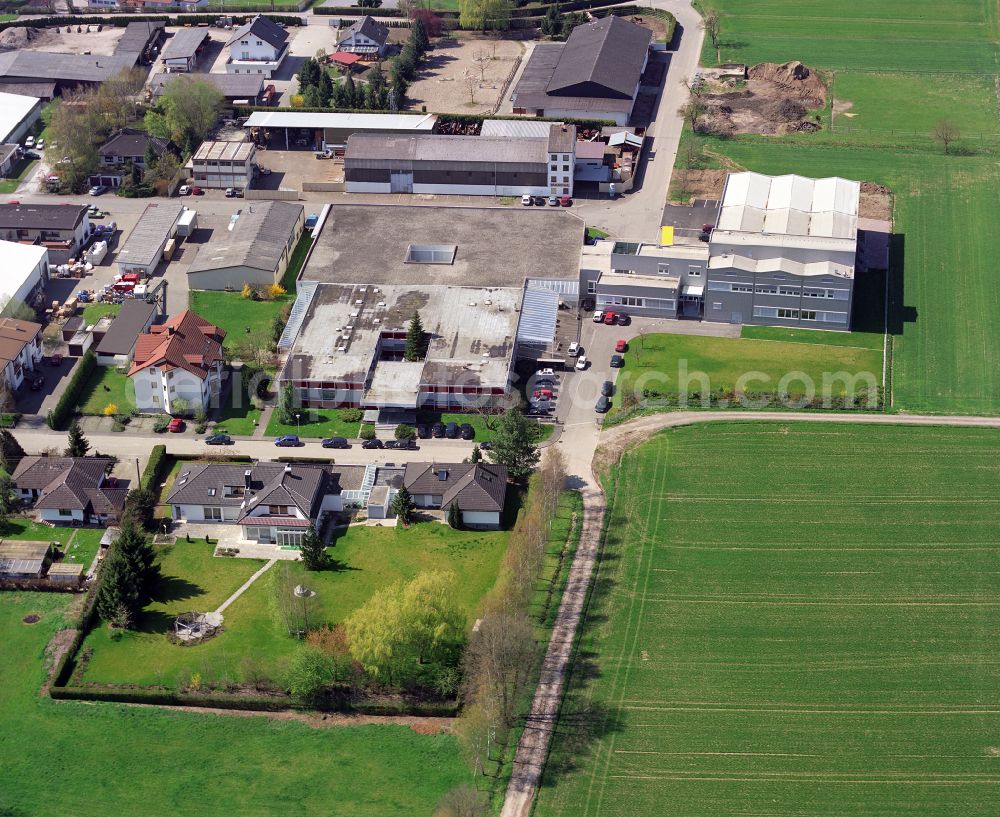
(470,274)
(782,252)
(462,165)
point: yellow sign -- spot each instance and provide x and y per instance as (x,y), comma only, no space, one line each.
(666,236)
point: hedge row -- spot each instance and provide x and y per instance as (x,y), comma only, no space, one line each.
(226,700)
(153,471)
(59,416)
(528,10)
(64,669)
(121,20)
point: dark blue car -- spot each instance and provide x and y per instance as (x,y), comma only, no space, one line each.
(288,441)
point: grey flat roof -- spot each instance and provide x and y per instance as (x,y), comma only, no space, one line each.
(471,332)
(441,148)
(231,86)
(47,65)
(133,317)
(257,240)
(497,246)
(149,234)
(184,44)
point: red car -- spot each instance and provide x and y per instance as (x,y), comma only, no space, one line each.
(621,346)
(542,394)
(197,191)
(566,201)
(176,425)
(56,360)
(609,318)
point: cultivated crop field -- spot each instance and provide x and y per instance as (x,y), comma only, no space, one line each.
(791,620)
(896,68)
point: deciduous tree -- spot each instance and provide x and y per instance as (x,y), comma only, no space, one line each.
(945,131)
(309,673)
(463,801)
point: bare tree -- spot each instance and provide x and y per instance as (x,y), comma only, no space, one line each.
(255,348)
(463,801)
(470,83)
(481,57)
(499,661)
(945,131)
(697,86)
(693,110)
(713,28)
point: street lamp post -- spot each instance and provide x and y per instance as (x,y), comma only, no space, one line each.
(297,423)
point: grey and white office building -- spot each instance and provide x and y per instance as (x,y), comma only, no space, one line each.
(783,253)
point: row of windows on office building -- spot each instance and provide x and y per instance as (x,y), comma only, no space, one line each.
(773,289)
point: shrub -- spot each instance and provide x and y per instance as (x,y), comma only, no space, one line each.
(160,426)
(405,432)
(351,415)
(249,293)
(154,468)
(276,291)
(111,409)
(367,432)
(59,416)
(200,428)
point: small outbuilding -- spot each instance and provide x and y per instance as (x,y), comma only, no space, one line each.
(144,247)
(118,344)
(24,560)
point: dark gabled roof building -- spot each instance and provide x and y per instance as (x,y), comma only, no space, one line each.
(264,29)
(594,74)
(70,490)
(129,145)
(366,36)
(478,489)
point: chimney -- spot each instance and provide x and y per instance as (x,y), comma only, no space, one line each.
(246,480)
(288,468)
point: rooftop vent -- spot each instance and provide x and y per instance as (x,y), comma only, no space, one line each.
(430,254)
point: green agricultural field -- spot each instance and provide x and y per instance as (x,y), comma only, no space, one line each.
(363,560)
(95,759)
(791,620)
(762,361)
(907,66)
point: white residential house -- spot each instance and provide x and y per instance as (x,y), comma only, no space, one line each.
(367,38)
(70,490)
(259,47)
(478,489)
(20,349)
(273,503)
(178,360)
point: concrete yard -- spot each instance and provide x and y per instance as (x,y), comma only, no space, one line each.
(495,246)
(98,43)
(442,85)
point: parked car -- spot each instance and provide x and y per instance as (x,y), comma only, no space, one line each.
(539,201)
(96,190)
(466,431)
(197,191)
(539,394)
(553,201)
(40,144)
(617,361)
(621,346)
(598,316)
(374,442)
(184,190)
(602,404)
(311,221)
(546,373)
(324,154)
(574,349)
(336,442)
(527,200)
(545,383)
(622,319)
(451,431)
(288,441)
(176,425)
(486,446)
(230,192)
(56,360)
(29,142)
(423,431)
(581,363)
(219,439)
(609,318)
(264,171)
(607,388)
(566,201)
(37,382)
(437,430)
(392,444)
(402,445)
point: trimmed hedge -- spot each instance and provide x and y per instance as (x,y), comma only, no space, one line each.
(226,700)
(110,17)
(59,417)
(152,473)
(62,672)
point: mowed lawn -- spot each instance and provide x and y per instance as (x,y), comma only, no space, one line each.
(364,559)
(791,620)
(908,65)
(237,314)
(107,386)
(114,759)
(766,361)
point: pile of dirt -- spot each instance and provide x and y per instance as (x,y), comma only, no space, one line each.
(774,99)
(13,38)
(794,78)
(876,201)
